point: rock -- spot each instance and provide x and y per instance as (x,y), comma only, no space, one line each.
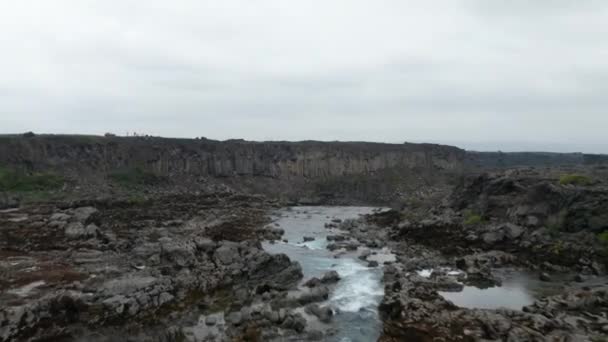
(330,277)
(512,231)
(493,237)
(277,271)
(597,268)
(366,253)
(227,253)
(532,221)
(579,278)
(57,224)
(77,230)
(205,245)
(164,298)
(211,320)
(324,314)
(235,318)
(59,217)
(309,238)
(295,322)
(316,294)
(314,335)
(372,263)
(313,282)
(335,237)
(83,214)
(116,303)
(179,252)
(544,277)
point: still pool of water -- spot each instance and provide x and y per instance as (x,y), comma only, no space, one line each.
(519,288)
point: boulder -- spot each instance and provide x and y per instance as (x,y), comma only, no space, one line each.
(179,252)
(76,230)
(83,214)
(295,322)
(512,231)
(324,314)
(544,277)
(227,253)
(316,294)
(330,277)
(59,217)
(313,282)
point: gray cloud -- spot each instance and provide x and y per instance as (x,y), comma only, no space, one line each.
(498,74)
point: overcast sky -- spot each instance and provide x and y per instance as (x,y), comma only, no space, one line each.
(481,74)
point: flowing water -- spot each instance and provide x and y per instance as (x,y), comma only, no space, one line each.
(356,297)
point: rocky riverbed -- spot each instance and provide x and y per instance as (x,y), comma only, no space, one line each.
(513,256)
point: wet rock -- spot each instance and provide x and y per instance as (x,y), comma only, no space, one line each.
(324,314)
(330,277)
(544,277)
(316,294)
(313,282)
(335,237)
(365,254)
(315,335)
(372,263)
(309,238)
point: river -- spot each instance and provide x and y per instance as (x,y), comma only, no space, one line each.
(356,297)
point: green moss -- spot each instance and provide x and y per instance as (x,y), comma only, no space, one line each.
(575,179)
(603,237)
(557,248)
(471,218)
(135,177)
(13,181)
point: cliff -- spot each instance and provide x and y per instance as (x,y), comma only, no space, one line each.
(502,160)
(306,171)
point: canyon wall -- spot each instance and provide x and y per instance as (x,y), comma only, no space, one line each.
(306,171)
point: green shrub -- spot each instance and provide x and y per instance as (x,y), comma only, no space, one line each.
(134,177)
(20,182)
(575,179)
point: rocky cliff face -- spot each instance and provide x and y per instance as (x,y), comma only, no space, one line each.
(502,160)
(308,171)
